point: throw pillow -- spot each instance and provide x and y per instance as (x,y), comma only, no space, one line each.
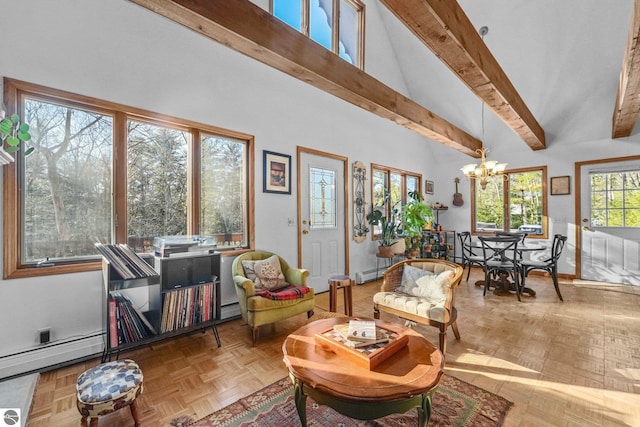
(409,276)
(266,273)
(249,271)
(434,288)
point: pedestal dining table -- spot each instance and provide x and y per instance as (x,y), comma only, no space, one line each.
(504,286)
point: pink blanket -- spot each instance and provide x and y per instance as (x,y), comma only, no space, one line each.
(290,292)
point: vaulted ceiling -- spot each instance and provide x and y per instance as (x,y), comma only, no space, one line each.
(450,31)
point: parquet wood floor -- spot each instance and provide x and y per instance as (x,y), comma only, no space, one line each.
(571,363)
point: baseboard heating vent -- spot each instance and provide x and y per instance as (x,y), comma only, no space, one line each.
(366,276)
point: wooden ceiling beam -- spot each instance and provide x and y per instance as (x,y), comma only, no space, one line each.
(246,28)
(627,108)
(443,26)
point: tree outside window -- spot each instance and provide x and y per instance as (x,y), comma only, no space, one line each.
(104,172)
(513,202)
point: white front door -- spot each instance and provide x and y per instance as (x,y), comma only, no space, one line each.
(321,220)
(610,222)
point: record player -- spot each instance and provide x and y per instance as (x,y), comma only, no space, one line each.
(165,246)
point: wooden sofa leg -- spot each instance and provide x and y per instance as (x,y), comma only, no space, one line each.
(309,314)
(442,338)
(376,313)
(454,326)
(254,335)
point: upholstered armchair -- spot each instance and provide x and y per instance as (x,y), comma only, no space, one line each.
(421,291)
(269,289)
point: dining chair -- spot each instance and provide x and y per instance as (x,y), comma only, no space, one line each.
(501,261)
(549,265)
(520,234)
(469,257)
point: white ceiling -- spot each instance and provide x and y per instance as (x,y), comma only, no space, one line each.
(563,57)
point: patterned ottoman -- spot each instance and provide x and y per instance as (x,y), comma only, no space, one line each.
(107,388)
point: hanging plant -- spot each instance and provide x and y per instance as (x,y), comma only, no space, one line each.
(13,133)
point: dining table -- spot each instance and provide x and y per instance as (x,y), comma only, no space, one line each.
(503,286)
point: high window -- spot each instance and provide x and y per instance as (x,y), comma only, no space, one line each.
(397,184)
(338,25)
(103,172)
(516,201)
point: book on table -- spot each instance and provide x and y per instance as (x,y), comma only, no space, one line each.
(370,354)
(356,341)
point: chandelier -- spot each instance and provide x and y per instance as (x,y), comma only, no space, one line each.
(485,170)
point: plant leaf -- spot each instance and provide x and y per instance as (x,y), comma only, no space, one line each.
(15,118)
(5,127)
(29,151)
(12,149)
(25,136)
(13,141)
(24,128)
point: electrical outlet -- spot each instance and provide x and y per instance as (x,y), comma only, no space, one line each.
(45,335)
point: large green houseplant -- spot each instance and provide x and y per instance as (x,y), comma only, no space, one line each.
(388,225)
(13,132)
(415,216)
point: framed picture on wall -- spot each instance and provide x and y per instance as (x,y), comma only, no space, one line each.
(560,185)
(277,172)
(428,187)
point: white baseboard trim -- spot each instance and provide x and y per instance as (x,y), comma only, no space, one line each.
(51,355)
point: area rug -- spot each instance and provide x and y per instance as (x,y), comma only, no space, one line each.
(455,403)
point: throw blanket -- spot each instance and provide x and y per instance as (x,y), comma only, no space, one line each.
(290,292)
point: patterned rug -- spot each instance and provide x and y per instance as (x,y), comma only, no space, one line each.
(455,403)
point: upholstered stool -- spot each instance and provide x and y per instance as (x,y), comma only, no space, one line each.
(108,387)
(344,283)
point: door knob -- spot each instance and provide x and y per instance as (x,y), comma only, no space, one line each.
(305,231)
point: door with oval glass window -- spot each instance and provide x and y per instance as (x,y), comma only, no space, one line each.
(322,217)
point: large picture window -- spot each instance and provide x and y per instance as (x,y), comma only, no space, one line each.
(514,202)
(338,25)
(103,172)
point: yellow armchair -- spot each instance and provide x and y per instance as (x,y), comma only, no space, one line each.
(257,310)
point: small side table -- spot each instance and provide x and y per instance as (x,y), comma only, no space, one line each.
(345,283)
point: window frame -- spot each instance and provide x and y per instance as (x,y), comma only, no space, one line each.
(14,93)
(388,171)
(505,207)
(335,26)
(607,210)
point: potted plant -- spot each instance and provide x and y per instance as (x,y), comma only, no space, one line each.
(388,226)
(13,132)
(415,216)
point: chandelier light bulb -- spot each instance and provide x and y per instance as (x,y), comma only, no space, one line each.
(485,170)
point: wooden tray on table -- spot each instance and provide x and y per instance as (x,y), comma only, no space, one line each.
(366,356)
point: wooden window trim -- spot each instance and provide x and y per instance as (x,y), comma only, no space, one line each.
(14,90)
(335,26)
(505,207)
(388,171)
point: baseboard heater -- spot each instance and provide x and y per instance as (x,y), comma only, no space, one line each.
(366,276)
(51,355)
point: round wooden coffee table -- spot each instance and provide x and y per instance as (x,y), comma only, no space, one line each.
(406,380)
